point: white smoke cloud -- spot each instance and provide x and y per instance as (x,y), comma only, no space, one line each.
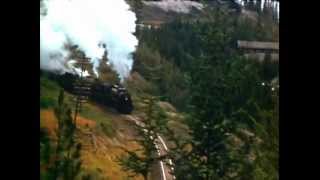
(70,65)
(87,23)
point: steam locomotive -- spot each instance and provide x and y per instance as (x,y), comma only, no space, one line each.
(111,95)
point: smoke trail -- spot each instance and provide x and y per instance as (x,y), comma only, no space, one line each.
(87,23)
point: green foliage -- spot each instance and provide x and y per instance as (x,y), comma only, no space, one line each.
(141,160)
(47,84)
(169,54)
(106,73)
(221,84)
(134,163)
(66,163)
(263,144)
(269,69)
(218,84)
(107,129)
(175,41)
(168,81)
(46,102)
(136,6)
(48,92)
(93,175)
(45,147)
(196,67)
(101,118)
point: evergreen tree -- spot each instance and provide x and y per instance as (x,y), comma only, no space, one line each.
(106,73)
(67,161)
(140,161)
(221,84)
(137,6)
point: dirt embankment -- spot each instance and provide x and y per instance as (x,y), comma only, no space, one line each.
(100,152)
(100,148)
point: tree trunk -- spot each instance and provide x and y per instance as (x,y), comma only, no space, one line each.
(145,176)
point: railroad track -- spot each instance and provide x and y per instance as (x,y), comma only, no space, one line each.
(162,149)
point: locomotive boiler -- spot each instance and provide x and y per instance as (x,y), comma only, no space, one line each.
(114,95)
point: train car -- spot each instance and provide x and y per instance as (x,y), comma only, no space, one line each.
(110,95)
(113,95)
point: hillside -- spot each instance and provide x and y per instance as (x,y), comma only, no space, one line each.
(202,109)
(102,131)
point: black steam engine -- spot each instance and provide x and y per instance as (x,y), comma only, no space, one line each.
(111,95)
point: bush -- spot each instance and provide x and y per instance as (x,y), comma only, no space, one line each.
(47,102)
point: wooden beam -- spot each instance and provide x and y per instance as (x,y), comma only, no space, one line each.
(258,45)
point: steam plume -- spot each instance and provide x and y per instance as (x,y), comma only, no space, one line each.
(87,23)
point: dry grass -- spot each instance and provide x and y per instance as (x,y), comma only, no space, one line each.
(84,122)
(49,121)
(100,150)
(104,159)
(101,157)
